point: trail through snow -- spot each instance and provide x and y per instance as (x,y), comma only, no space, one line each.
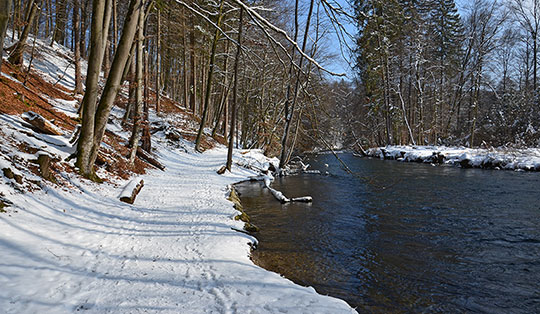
(173,251)
(79,249)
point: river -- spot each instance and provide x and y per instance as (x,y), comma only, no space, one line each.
(400,237)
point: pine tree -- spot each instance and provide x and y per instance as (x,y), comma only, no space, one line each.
(379,42)
(446,36)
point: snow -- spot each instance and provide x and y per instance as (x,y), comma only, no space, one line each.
(77,247)
(495,158)
(15,127)
(67,107)
(174,251)
(53,63)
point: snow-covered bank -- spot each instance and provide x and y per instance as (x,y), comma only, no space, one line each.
(174,251)
(500,158)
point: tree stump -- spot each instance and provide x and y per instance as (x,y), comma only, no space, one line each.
(8,173)
(44,162)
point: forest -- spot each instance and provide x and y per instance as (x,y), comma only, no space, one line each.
(257,73)
(432,73)
(230,156)
(251,72)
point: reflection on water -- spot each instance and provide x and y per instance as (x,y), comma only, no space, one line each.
(406,237)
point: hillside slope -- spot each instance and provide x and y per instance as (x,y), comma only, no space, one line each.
(68,244)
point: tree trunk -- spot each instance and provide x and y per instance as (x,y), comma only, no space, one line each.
(16,19)
(114,36)
(288,95)
(84,146)
(206,103)
(96,121)
(289,116)
(84,26)
(235,92)
(136,134)
(60,28)
(112,86)
(106,42)
(222,107)
(16,57)
(158,62)
(146,140)
(475,101)
(184,58)
(5,8)
(77,39)
(193,82)
(129,72)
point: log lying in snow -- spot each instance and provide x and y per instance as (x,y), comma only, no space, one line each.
(131,190)
(41,124)
(222,170)
(149,158)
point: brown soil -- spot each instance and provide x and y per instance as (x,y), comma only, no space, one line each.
(16,99)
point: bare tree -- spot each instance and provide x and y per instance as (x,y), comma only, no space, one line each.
(77,43)
(16,56)
(235,91)
(527,13)
(138,115)
(485,21)
(209,79)
(5,9)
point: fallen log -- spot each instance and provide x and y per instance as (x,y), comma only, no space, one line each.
(148,158)
(284,199)
(222,170)
(131,190)
(278,195)
(303,199)
(40,124)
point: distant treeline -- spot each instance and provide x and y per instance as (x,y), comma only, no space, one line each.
(430,74)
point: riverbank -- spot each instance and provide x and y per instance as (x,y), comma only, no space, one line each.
(173,251)
(496,158)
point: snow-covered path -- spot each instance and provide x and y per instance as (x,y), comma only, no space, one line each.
(69,250)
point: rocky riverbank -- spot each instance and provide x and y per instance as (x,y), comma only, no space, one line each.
(495,158)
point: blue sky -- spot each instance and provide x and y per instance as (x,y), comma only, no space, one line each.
(341,65)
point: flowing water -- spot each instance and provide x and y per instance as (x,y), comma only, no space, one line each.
(404,237)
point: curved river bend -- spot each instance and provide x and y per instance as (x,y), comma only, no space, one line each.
(402,237)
